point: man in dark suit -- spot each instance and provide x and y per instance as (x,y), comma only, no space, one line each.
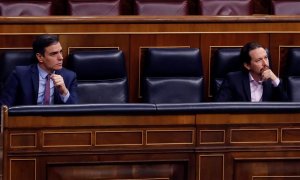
(27,85)
(255,83)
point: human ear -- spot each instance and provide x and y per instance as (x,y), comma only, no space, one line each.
(246,66)
(39,57)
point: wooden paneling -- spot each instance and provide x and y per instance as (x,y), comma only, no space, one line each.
(119,138)
(133,171)
(212,136)
(262,169)
(170,137)
(67,138)
(249,136)
(23,140)
(22,168)
(290,135)
(219,146)
(211,166)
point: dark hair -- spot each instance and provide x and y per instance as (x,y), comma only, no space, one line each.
(43,41)
(244,55)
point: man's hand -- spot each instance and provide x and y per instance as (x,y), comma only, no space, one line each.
(59,83)
(266,73)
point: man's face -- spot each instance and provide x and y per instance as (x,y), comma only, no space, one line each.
(52,59)
(259,61)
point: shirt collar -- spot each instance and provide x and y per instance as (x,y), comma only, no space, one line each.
(42,72)
(252,79)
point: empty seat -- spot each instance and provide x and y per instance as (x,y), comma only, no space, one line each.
(101,76)
(225,8)
(161,7)
(30,8)
(12,58)
(94,7)
(292,74)
(286,7)
(172,75)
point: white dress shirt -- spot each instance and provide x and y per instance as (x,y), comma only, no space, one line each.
(256,88)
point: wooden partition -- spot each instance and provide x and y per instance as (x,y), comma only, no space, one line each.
(175,142)
(134,34)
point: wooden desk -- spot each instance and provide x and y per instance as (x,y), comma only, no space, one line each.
(198,141)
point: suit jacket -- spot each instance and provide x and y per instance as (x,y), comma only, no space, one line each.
(21,87)
(236,87)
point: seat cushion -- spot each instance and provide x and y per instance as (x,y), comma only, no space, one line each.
(293,86)
(174,90)
(108,91)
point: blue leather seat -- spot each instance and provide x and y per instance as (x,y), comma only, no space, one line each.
(101,75)
(224,60)
(292,74)
(173,75)
(10,59)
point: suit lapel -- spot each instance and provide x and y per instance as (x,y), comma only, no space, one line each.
(266,90)
(246,86)
(35,81)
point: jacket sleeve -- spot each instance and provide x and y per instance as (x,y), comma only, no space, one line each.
(8,95)
(72,87)
(224,94)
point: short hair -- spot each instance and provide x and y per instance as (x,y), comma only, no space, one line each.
(244,55)
(43,41)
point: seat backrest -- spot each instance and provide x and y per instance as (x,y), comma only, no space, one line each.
(94,7)
(29,8)
(161,7)
(172,75)
(12,58)
(224,60)
(225,8)
(292,74)
(286,7)
(101,75)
